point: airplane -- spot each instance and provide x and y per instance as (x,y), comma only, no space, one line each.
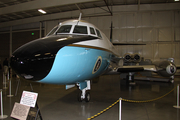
(73,53)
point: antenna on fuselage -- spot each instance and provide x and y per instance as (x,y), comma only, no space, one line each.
(80,16)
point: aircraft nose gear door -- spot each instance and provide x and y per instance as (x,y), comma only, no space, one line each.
(84,94)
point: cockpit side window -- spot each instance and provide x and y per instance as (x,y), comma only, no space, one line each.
(52,31)
(64,29)
(98,33)
(80,29)
(92,31)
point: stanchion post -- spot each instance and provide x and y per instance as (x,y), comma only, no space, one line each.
(3,77)
(10,95)
(120,99)
(4,81)
(177,106)
(9,78)
(8,75)
(2,116)
(18,79)
(178,95)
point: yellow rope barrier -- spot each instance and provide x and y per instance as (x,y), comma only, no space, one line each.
(129,101)
(150,100)
(103,110)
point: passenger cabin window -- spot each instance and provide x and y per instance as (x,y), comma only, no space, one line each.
(52,31)
(64,29)
(92,31)
(80,29)
(98,33)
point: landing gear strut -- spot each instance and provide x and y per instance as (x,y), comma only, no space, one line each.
(130,78)
(84,94)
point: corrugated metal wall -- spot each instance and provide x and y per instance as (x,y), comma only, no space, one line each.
(160,30)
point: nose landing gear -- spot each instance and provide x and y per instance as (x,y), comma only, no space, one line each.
(84,94)
(85,97)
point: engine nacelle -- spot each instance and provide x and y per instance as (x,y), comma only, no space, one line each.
(165,68)
(127,57)
(135,58)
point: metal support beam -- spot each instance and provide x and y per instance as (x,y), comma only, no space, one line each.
(91,12)
(9,17)
(108,7)
(37,4)
(45,28)
(40,29)
(79,8)
(139,1)
(3,3)
(10,43)
(101,8)
(18,15)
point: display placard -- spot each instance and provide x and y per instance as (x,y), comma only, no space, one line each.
(29,98)
(20,111)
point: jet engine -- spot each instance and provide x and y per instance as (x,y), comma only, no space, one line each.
(165,68)
(127,57)
(135,58)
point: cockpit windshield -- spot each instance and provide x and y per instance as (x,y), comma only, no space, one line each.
(77,29)
(52,31)
(64,29)
(80,29)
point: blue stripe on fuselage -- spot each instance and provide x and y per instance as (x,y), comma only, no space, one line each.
(75,64)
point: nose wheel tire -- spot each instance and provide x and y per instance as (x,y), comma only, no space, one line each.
(87,97)
(79,97)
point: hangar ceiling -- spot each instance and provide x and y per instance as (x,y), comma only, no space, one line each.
(12,10)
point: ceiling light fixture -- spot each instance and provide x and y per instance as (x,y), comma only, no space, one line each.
(42,11)
(176,0)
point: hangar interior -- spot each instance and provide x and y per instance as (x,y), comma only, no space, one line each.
(153,22)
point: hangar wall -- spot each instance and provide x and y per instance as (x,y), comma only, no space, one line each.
(18,38)
(160,31)
(13,37)
(4,46)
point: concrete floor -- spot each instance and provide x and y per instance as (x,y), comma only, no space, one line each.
(56,103)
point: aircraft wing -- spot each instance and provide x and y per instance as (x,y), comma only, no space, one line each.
(163,68)
(139,68)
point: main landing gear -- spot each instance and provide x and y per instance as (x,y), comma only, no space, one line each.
(84,94)
(130,78)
